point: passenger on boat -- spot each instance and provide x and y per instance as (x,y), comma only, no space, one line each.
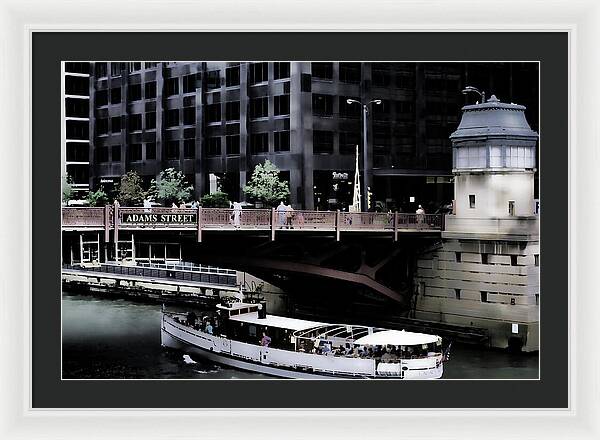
(209,328)
(191,319)
(265,340)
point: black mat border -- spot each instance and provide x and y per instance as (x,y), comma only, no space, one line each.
(50,48)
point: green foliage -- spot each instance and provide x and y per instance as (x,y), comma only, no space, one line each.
(265,186)
(171,187)
(131,192)
(217,199)
(97,198)
(67,188)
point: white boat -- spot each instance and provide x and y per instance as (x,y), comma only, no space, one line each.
(246,337)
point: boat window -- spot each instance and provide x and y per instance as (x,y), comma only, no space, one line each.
(252,330)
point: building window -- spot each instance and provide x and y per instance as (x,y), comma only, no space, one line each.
(349,110)
(213,146)
(322,105)
(150,120)
(380,75)
(172,117)
(115,123)
(513,260)
(172,86)
(115,95)
(282,105)
(281,141)
(79,130)
(101,126)
(172,150)
(189,148)
(484,258)
(381,112)
(213,113)
(259,143)
(134,67)
(77,108)
(116,153)
(457,293)
(189,83)
(259,107)
(281,70)
(536,259)
(213,79)
(511,208)
(101,70)
(322,71)
(350,73)
(189,115)
(259,72)
(101,98)
(232,144)
(102,154)
(151,150)
(135,152)
(472,201)
(150,65)
(232,111)
(484,297)
(348,142)
(232,76)
(458,257)
(115,69)
(150,89)
(135,122)
(135,92)
(322,142)
(405,81)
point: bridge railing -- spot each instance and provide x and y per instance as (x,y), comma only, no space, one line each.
(230,218)
(302,219)
(83,217)
(366,220)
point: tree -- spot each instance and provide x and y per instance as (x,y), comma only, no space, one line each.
(217,199)
(67,189)
(97,198)
(131,192)
(171,187)
(265,186)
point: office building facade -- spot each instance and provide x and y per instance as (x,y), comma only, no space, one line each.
(215,121)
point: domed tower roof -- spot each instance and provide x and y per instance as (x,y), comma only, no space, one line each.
(493,119)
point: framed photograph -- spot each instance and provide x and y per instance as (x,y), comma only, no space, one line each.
(242,229)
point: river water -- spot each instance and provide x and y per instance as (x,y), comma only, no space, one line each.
(120,339)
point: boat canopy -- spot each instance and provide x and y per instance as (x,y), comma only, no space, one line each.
(396,337)
(274,321)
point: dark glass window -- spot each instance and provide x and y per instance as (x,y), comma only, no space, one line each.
(172,86)
(322,70)
(350,72)
(213,146)
(77,152)
(172,150)
(405,110)
(213,79)
(115,123)
(115,68)
(116,153)
(101,69)
(135,92)
(281,141)
(78,130)
(349,141)
(77,85)
(259,143)
(259,107)
(381,112)
(380,75)
(232,111)
(322,105)
(189,83)
(101,126)
(189,115)
(101,98)
(281,70)
(352,111)
(134,67)
(150,89)
(405,81)
(135,122)
(77,108)
(102,154)
(151,150)
(322,142)
(172,117)
(135,152)
(213,113)
(232,76)
(189,148)
(282,105)
(150,65)
(232,144)
(259,72)
(150,120)
(77,67)
(115,95)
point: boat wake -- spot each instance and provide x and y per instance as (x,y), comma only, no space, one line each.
(188,360)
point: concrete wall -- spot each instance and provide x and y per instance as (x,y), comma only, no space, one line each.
(487,284)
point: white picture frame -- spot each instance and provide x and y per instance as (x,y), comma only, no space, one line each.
(580,18)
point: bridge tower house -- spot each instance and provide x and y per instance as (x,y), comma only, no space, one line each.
(485,273)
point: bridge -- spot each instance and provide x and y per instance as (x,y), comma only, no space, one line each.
(267,221)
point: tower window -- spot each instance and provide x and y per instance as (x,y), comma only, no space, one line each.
(458,257)
(484,258)
(472,201)
(484,297)
(513,260)
(457,293)
(511,208)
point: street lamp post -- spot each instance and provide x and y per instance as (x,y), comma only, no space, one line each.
(365,182)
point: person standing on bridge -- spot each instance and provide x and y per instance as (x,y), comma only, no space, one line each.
(282,213)
(289,216)
(237,213)
(420,216)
